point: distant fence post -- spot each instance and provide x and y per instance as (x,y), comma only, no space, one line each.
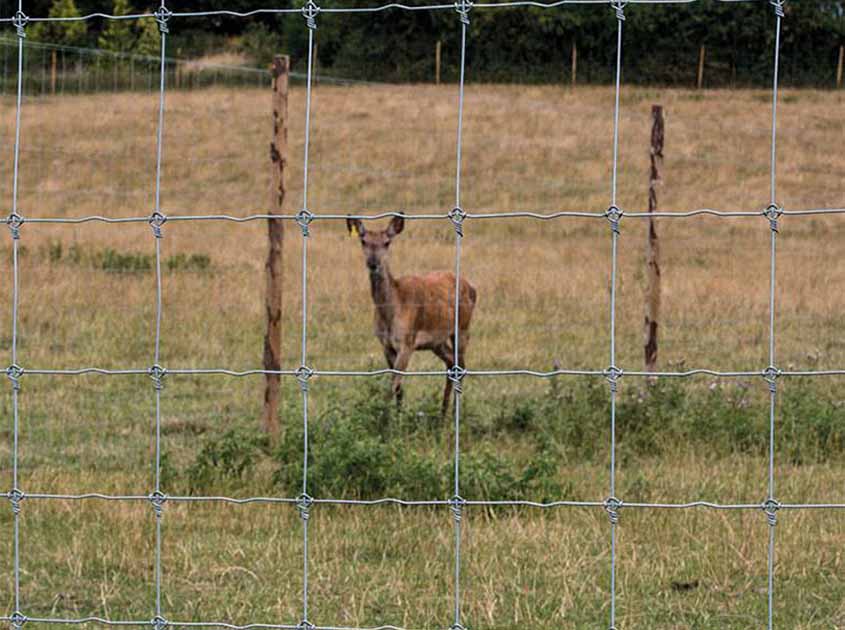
(53,64)
(839,66)
(574,63)
(700,80)
(652,296)
(437,62)
(275,230)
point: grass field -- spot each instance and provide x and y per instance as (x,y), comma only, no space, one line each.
(87,299)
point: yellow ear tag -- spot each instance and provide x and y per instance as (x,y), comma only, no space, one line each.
(354,232)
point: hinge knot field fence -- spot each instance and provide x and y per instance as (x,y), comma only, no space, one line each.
(457,373)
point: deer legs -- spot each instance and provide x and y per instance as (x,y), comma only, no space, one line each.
(447,355)
(400,363)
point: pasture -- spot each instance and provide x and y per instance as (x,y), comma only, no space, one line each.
(88,300)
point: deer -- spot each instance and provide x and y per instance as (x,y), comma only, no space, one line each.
(415,312)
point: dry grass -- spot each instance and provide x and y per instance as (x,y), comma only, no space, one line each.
(543,290)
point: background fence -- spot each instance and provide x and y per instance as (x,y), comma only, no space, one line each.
(463,224)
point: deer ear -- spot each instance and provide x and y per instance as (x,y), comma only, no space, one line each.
(396,226)
(355,227)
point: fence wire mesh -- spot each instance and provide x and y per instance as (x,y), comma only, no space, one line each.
(458,218)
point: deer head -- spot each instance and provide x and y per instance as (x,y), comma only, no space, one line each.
(375,243)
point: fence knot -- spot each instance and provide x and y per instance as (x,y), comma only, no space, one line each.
(14,221)
(303,219)
(158,622)
(619,7)
(463,8)
(303,374)
(772,213)
(310,10)
(156,221)
(18,619)
(614,215)
(303,504)
(157,373)
(457,626)
(15,497)
(14,373)
(613,374)
(456,374)
(456,216)
(456,505)
(770,507)
(157,500)
(162,16)
(778,5)
(19,22)
(771,374)
(612,505)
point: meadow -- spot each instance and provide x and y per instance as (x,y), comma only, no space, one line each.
(88,300)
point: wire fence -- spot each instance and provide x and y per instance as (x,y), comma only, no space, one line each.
(461,221)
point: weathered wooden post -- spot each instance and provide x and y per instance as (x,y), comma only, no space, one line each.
(652,293)
(53,64)
(574,63)
(839,66)
(437,62)
(700,80)
(275,230)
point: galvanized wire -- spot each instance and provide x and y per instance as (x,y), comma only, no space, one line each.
(457,373)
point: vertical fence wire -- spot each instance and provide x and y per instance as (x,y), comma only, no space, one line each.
(772,371)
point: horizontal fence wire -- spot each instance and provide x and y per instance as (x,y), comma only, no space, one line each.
(457,374)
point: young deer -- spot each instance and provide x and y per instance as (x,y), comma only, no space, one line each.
(414,312)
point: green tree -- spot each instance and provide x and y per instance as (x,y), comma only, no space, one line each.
(149,38)
(118,35)
(65,33)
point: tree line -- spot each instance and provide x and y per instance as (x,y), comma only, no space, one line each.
(662,43)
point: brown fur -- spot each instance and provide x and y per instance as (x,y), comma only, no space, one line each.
(414,312)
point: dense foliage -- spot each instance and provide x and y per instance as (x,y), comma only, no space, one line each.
(661,45)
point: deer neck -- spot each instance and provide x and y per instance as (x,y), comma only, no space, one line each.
(383,289)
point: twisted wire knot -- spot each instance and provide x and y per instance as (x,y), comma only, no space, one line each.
(14,373)
(158,622)
(612,505)
(303,219)
(157,220)
(161,16)
(463,8)
(15,497)
(457,216)
(613,374)
(456,374)
(19,22)
(619,7)
(771,374)
(772,213)
(157,374)
(770,507)
(778,5)
(310,10)
(15,221)
(303,375)
(157,500)
(303,504)
(305,625)
(456,505)
(614,215)
(18,619)
(457,626)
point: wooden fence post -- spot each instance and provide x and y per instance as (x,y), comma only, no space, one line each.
(437,63)
(652,294)
(700,81)
(275,230)
(574,63)
(53,64)
(839,66)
